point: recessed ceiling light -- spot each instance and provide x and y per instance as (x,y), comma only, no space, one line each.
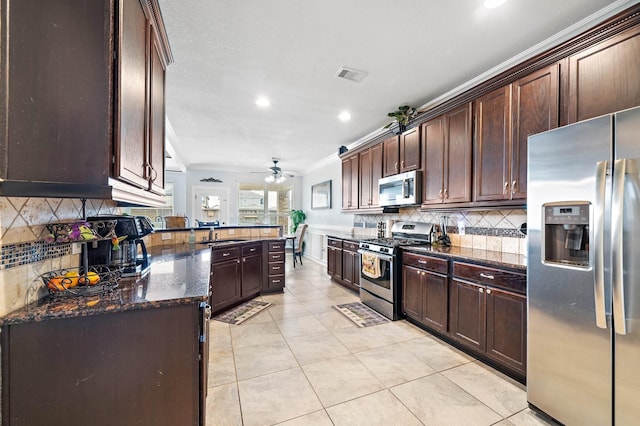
(490,4)
(263,102)
(344,116)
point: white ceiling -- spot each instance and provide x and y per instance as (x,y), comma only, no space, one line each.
(227,53)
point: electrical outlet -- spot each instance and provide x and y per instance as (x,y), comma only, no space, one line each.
(232,231)
(461,227)
(76,248)
(166,236)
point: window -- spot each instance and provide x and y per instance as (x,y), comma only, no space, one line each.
(155,214)
(260,205)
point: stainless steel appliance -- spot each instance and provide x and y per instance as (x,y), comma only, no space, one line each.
(380,266)
(132,254)
(583,272)
(403,189)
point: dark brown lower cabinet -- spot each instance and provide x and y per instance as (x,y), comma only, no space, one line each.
(488,309)
(242,271)
(425,297)
(468,313)
(225,283)
(120,368)
(506,328)
(343,262)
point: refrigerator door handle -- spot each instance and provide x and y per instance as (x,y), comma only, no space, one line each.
(598,230)
(617,223)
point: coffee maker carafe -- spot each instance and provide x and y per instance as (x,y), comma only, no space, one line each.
(131,253)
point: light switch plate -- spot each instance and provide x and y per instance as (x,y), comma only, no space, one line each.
(166,236)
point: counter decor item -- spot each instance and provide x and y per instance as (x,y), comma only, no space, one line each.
(402,117)
(98,279)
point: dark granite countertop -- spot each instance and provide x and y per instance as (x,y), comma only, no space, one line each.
(512,261)
(178,275)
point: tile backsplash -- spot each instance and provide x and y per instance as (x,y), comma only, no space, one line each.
(24,255)
(495,230)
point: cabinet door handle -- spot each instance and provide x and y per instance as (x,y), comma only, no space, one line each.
(402,164)
(446,193)
(488,291)
(440,193)
(422,262)
(252,249)
(481,290)
(487,276)
(226,254)
(275,268)
(506,188)
(275,281)
(395,166)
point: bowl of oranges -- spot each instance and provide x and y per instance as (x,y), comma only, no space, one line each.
(80,282)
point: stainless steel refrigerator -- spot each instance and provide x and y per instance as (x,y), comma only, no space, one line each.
(583,275)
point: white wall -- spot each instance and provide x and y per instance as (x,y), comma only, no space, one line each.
(324,222)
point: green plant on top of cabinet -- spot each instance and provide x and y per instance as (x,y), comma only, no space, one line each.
(504,119)
(448,146)
(370,171)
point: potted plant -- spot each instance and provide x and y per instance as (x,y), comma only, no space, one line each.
(402,117)
(297,217)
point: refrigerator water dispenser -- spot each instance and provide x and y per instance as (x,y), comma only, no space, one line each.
(566,234)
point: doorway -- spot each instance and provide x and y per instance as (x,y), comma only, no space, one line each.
(211,205)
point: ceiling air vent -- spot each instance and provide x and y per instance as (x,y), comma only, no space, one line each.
(351,74)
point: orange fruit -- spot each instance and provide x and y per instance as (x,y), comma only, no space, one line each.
(55,284)
(71,279)
(91,278)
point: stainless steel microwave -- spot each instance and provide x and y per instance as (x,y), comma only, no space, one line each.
(403,189)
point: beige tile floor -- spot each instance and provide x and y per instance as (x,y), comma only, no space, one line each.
(301,362)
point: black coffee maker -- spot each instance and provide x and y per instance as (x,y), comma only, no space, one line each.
(131,255)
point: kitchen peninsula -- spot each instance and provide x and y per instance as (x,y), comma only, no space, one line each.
(137,354)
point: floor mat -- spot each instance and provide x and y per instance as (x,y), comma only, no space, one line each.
(243,312)
(361,315)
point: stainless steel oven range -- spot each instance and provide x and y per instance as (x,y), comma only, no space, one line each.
(380,266)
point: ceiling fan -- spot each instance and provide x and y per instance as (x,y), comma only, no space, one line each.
(276,174)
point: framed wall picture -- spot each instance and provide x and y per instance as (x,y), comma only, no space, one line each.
(321,195)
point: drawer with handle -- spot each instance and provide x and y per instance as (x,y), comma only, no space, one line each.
(276,281)
(251,249)
(434,264)
(276,268)
(276,246)
(350,246)
(491,276)
(218,255)
(276,257)
(334,243)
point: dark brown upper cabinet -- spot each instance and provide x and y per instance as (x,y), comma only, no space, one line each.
(505,118)
(410,150)
(492,143)
(448,144)
(605,78)
(83,108)
(350,172)
(401,153)
(370,171)
(534,109)
(390,156)
(140,108)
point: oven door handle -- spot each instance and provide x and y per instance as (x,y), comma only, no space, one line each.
(381,256)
